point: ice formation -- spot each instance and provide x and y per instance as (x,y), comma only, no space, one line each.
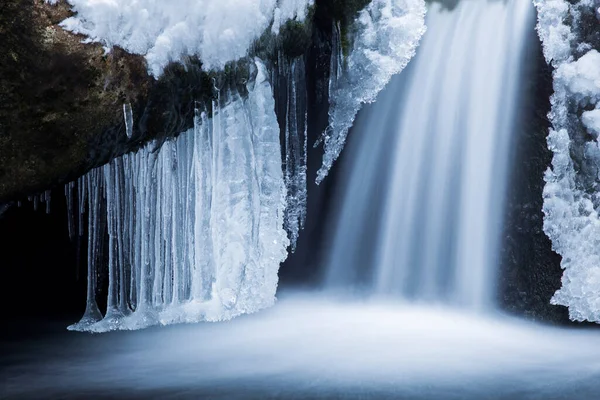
(218,31)
(386,35)
(571,195)
(384,38)
(128,119)
(195,228)
(44,197)
(295,144)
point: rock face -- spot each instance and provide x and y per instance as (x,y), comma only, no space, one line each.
(530,271)
(58,97)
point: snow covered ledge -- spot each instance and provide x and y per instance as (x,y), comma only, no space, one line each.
(217,31)
(569,33)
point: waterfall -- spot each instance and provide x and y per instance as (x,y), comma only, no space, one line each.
(421,202)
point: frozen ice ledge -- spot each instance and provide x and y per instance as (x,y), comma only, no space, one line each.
(198,225)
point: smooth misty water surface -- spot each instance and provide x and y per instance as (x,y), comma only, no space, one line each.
(310,347)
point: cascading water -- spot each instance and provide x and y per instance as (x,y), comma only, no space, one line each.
(421,206)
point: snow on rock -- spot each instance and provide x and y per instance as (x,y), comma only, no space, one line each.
(572,191)
(218,31)
(287,10)
(387,33)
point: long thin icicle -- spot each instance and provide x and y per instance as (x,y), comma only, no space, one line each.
(128,117)
(295,146)
(91,185)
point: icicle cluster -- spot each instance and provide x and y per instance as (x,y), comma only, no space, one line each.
(195,228)
(572,191)
(43,197)
(295,144)
(386,35)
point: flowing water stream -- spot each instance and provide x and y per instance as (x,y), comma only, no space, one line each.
(422,202)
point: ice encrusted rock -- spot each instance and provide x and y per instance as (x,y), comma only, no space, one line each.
(572,191)
(386,35)
(218,31)
(555,34)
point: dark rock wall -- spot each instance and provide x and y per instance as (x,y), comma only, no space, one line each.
(40,275)
(530,271)
(57,96)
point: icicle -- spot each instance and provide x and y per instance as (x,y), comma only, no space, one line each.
(337,57)
(131,185)
(203,246)
(128,116)
(114,316)
(70,211)
(92,188)
(157,298)
(120,218)
(336,63)
(82,193)
(295,150)
(47,200)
